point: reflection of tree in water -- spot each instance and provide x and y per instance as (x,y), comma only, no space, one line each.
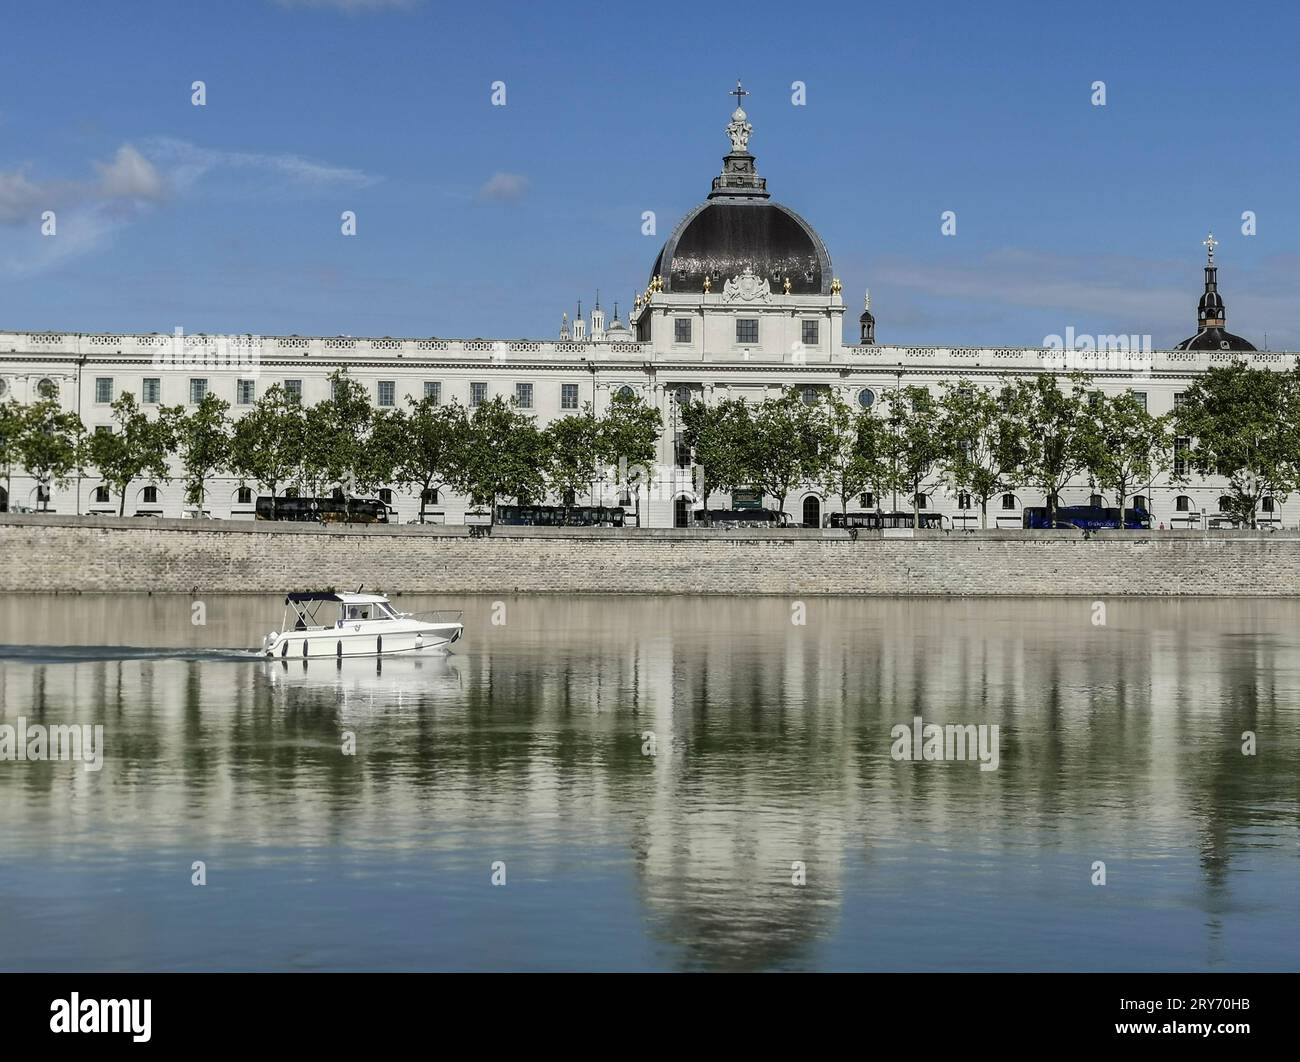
(773,746)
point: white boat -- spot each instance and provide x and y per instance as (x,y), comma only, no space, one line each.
(327,624)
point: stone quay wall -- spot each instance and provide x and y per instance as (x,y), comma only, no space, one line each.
(63,554)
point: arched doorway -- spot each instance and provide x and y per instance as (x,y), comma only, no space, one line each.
(681,511)
(812,511)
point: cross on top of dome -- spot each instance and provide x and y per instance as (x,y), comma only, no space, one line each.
(739,129)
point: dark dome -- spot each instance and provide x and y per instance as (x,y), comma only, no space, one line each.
(723,237)
(1215,339)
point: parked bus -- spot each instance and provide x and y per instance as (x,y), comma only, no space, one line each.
(746,517)
(1087,518)
(323,510)
(558,516)
(876,521)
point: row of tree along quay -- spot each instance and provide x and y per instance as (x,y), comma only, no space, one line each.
(1042,433)
(494,451)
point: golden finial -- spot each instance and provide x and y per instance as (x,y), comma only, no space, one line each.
(708,284)
(836,286)
(659,282)
(786,286)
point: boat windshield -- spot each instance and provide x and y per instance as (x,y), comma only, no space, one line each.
(379,610)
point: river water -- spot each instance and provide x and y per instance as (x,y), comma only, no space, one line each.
(677,783)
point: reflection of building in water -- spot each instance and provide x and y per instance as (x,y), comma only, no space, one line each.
(1119,743)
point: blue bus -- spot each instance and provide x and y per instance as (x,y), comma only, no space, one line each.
(1087,518)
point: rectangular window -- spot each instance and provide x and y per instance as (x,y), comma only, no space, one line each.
(681,330)
(524,395)
(433,391)
(1178,398)
(293,388)
(963,500)
(1180,456)
(387,392)
(568,396)
(198,391)
(810,333)
(746,330)
(1141,397)
(867,501)
(151,390)
(245,392)
(1183,504)
(477,394)
(1267,504)
(104,389)
(103,429)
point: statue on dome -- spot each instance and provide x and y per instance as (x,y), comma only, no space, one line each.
(739,129)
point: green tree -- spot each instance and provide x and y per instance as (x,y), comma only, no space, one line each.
(138,447)
(574,450)
(13,417)
(202,440)
(854,447)
(1243,423)
(787,446)
(1126,447)
(628,440)
(982,441)
(433,448)
(913,450)
(49,446)
(716,434)
(1056,423)
(336,434)
(506,456)
(267,442)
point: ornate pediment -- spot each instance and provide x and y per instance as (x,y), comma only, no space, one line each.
(747,288)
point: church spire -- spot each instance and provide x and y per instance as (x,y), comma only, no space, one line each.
(1210,312)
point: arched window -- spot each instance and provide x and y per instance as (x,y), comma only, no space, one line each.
(1268,504)
(1009,502)
(244,496)
(149,496)
(681,511)
(101,495)
(1183,504)
(47,388)
(1139,501)
(431,497)
(1225,503)
(963,500)
(1096,501)
(866,398)
(921,501)
(626,392)
(386,496)
(812,511)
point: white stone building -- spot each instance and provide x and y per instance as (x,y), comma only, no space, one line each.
(741,301)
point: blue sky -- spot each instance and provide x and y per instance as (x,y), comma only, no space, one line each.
(476,220)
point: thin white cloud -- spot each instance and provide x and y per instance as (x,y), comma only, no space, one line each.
(504,188)
(1113,293)
(125,182)
(186,164)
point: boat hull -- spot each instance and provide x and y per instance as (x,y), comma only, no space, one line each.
(364,639)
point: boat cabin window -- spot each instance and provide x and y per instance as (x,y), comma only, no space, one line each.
(358,612)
